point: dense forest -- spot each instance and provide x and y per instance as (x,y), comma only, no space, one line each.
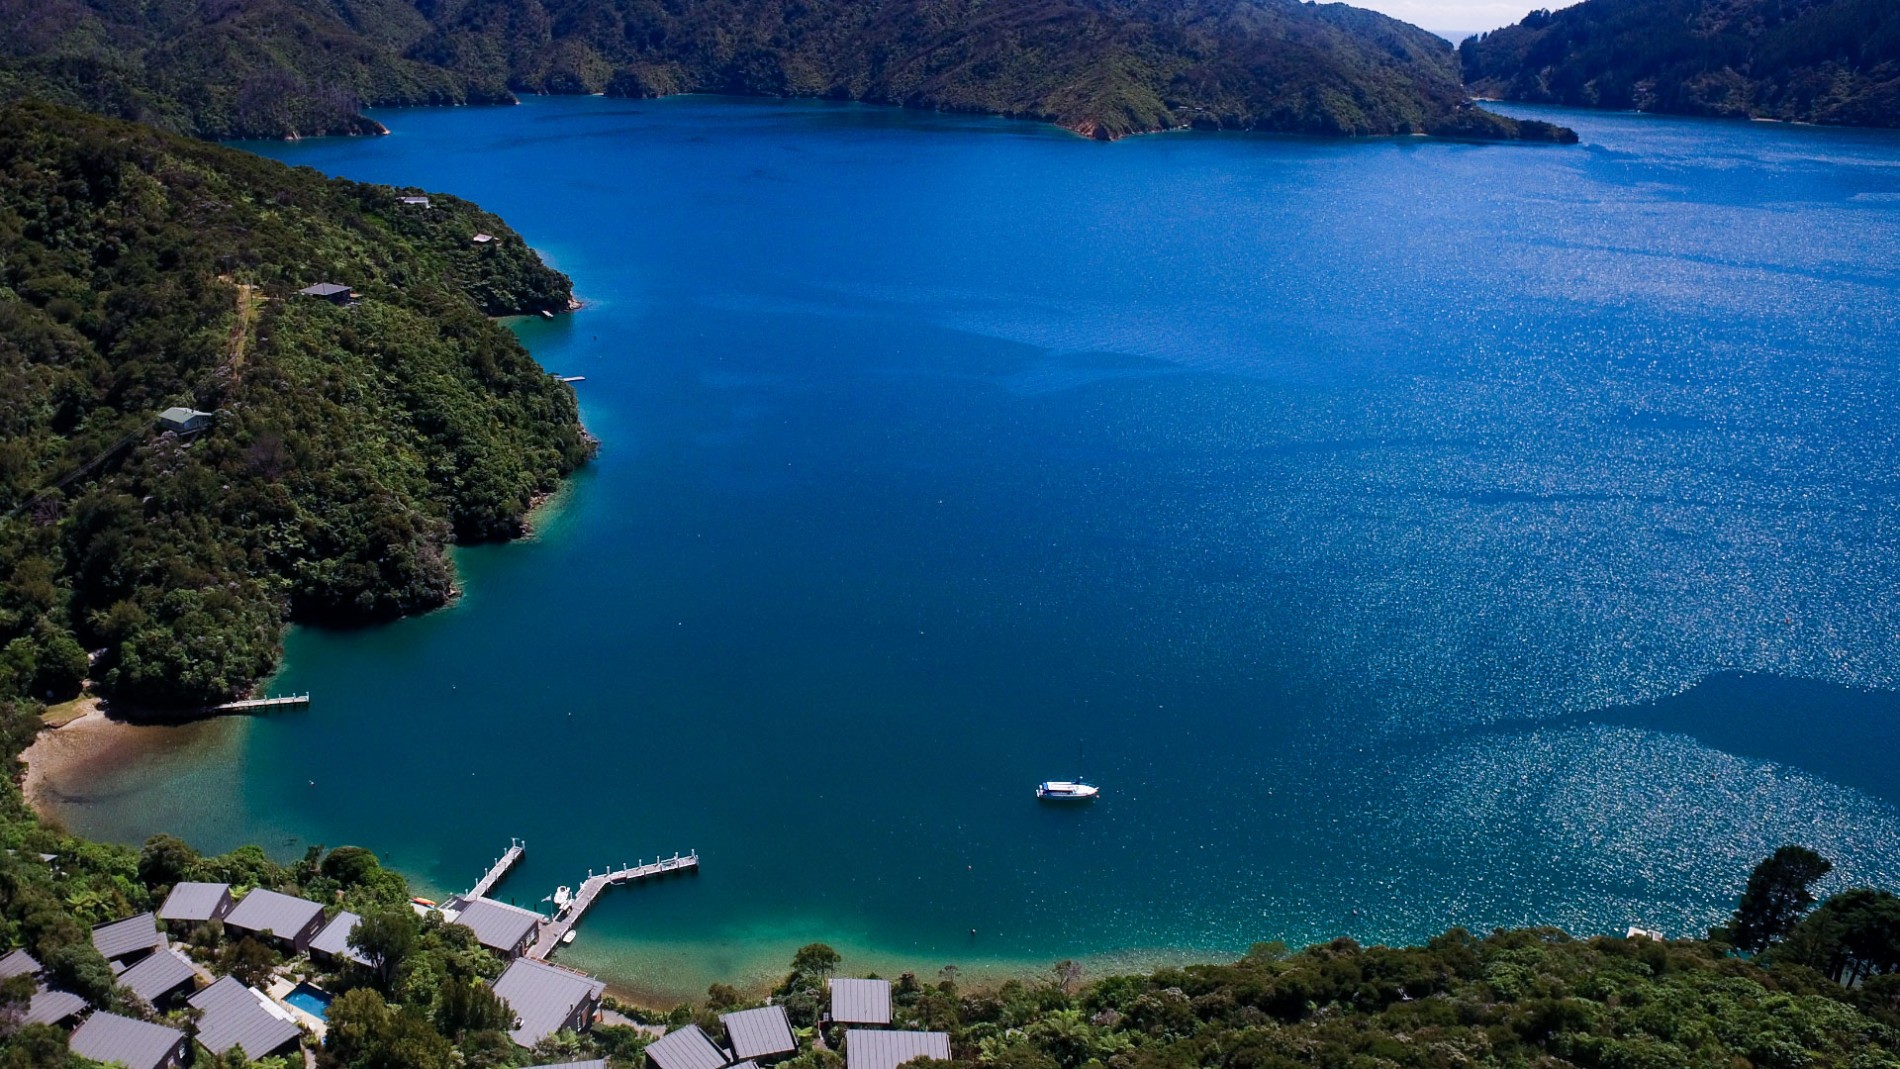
(1819,988)
(1820,61)
(347,445)
(276,68)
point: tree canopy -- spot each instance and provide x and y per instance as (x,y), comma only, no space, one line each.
(347,447)
(276,68)
(1819,61)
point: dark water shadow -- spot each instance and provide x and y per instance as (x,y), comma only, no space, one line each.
(1846,735)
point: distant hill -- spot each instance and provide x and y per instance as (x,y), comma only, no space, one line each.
(1099,67)
(1821,61)
(1105,68)
(345,448)
(229,68)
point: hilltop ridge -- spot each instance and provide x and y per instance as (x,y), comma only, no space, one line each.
(1104,68)
(1817,61)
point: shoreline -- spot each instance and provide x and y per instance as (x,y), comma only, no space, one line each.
(60,752)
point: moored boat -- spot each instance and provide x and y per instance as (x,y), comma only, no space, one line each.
(1062,790)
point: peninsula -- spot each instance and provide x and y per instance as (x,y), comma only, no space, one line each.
(241,394)
(271,68)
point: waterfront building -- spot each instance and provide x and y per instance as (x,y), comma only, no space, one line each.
(332,944)
(882,1049)
(860,1002)
(116,1040)
(500,927)
(760,1034)
(685,1048)
(160,978)
(124,942)
(546,999)
(234,1016)
(193,903)
(285,920)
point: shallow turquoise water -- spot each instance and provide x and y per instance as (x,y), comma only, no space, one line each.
(1343,509)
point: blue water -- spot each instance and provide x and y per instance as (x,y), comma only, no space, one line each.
(1364,517)
(310,1000)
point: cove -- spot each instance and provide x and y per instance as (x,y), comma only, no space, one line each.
(1332,505)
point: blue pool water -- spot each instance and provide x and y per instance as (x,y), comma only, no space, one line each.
(1403,535)
(311,1000)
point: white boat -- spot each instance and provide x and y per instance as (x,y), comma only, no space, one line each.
(563,897)
(1062,790)
(568,936)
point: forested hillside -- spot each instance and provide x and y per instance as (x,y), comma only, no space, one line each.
(276,68)
(1821,61)
(346,446)
(1105,69)
(229,68)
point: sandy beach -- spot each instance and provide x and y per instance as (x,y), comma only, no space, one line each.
(66,757)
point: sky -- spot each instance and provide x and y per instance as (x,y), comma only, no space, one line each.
(1457,18)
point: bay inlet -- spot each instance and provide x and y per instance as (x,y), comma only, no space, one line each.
(1404,535)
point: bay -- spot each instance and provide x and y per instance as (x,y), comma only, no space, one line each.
(1366,518)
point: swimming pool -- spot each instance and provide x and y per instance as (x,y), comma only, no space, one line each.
(311,1000)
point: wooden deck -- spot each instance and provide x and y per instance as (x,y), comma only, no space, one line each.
(292,701)
(555,930)
(516,848)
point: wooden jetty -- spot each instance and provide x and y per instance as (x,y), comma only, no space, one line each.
(516,848)
(291,701)
(555,930)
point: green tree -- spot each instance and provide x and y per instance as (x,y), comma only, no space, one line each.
(250,960)
(350,865)
(165,860)
(1853,936)
(465,1006)
(1778,892)
(78,968)
(722,996)
(387,937)
(814,961)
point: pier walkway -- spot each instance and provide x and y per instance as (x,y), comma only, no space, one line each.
(555,930)
(516,848)
(292,701)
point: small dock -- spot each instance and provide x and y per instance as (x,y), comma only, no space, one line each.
(516,848)
(290,701)
(555,930)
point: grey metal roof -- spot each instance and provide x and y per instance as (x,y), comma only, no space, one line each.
(237,1016)
(759,1033)
(543,996)
(193,901)
(324,289)
(334,939)
(861,1001)
(108,1037)
(685,1048)
(497,924)
(18,963)
(881,1049)
(158,975)
(133,935)
(52,1007)
(280,915)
